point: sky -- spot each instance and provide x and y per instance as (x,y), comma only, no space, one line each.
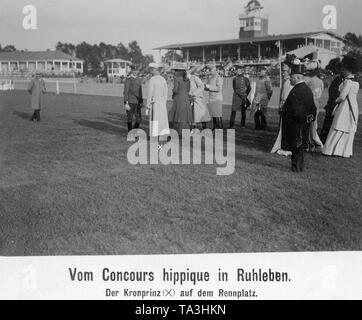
(156,23)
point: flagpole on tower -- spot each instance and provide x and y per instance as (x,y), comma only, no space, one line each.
(280,63)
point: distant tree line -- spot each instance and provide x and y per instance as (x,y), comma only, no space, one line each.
(353,47)
(94,55)
(8,48)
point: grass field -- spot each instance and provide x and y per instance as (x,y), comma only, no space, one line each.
(66,188)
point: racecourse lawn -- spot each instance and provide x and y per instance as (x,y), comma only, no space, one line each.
(66,187)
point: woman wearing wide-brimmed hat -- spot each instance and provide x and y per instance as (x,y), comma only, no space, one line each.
(180,115)
(36,88)
(197,88)
(344,127)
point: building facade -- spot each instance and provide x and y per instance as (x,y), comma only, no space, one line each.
(46,62)
(117,68)
(254,42)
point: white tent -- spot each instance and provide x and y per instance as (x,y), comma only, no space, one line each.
(321,54)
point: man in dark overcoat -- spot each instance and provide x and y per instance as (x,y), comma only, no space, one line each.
(133,99)
(298,113)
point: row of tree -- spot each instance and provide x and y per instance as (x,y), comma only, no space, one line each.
(353,46)
(8,48)
(94,55)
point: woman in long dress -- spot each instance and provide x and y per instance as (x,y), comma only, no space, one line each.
(214,86)
(284,93)
(317,87)
(344,127)
(197,88)
(180,115)
(157,103)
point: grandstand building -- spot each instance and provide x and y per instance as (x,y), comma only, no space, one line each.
(255,44)
(47,62)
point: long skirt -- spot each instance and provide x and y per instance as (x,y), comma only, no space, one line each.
(339,144)
(314,139)
(200,111)
(180,115)
(215,108)
(277,148)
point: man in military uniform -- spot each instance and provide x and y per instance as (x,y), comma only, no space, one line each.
(133,99)
(242,88)
(298,113)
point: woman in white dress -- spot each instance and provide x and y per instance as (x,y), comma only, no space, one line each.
(157,103)
(284,93)
(341,136)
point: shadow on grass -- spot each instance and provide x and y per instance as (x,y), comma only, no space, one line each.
(102,126)
(22,115)
(270,161)
(258,140)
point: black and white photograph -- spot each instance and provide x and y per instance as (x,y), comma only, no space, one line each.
(154,127)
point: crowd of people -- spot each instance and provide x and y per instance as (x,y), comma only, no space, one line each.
(299,104)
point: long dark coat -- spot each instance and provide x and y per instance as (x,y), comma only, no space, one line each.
(298,107)
(180,115)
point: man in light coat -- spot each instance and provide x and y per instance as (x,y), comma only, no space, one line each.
(36,88)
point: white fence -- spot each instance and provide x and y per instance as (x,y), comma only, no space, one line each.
(6,85)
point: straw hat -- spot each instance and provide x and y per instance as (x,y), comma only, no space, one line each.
(196,69)
(179,66)
(155,65)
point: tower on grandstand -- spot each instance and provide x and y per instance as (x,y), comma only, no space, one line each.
(253,23)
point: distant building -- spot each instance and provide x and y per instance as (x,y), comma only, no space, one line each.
(117,68)
(254,43)
(47,62)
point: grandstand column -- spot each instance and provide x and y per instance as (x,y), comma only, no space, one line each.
(259,52)
(203,54)
(220,53)
(9,66)
(239,52)
(36,65)
(27,65)
(187,55)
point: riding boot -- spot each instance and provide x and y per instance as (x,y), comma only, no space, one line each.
(221,125)
(232,119)
(33,117)
(257,120)
(214,121)
(130,126)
